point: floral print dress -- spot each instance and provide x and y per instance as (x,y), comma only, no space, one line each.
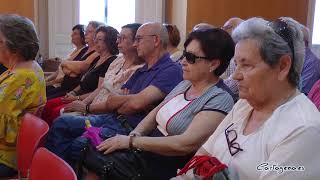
(21,91)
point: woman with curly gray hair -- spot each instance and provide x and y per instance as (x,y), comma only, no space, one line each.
(22,86)
(273,130)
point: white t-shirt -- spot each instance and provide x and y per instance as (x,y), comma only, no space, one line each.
(286,146)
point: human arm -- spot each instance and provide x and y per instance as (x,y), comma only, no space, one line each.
(52,76)
(183,144)
(142,101)
(93,94)
(78,67)
(147,124)
(72,95)
(74,67)
(19,93)
(77,103)
(128,104)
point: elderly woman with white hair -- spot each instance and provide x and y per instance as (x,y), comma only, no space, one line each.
(273,131)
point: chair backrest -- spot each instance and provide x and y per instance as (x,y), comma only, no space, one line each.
(31,131)
(46,165)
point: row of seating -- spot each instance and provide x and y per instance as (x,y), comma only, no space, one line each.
(32,158)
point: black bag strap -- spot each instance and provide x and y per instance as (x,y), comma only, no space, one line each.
(79,164)
(124,123)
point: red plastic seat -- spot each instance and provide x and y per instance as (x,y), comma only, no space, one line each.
(48,166)
(32,130)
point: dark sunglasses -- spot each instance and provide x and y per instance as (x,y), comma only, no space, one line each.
(191,58)
(282,29)
(233,146)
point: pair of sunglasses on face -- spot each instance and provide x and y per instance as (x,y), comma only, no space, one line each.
(191,58)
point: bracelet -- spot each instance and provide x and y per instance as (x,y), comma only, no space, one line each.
(134,133)
(131,136)
(73,93)
(88,108)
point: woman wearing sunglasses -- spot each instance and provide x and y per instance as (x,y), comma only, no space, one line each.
(172,132)
(273,131)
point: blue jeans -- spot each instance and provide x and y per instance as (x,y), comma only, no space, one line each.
(64,138)
(6,171)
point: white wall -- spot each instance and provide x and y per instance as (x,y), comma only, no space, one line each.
(311,8)
(42,27)
(179,18)
(150,10)
(62,16)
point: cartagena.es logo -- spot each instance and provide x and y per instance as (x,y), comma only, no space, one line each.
(265,166)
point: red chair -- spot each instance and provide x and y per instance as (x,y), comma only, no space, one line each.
(31,131)
(48,166)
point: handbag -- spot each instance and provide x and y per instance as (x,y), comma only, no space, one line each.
(206,168)
(119,165)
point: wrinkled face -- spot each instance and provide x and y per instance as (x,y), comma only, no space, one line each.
(256,78)
(201,68)
(89,34)
(76,38)
(144,42)
(100,43)
(4,51)
(125,41)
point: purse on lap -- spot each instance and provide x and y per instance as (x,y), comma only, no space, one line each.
(206,168)
(119,165)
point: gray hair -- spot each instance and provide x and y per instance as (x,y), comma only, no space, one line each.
(95,24)
(272,45)
(20,35)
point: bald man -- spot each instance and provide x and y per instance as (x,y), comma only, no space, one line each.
(121,113)
(229,26)
(203,26)
(311,68)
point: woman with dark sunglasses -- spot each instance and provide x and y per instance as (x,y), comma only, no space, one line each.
(273,131)
(173,131)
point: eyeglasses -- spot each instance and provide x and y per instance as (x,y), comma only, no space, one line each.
(233,146)
(139,37)
(282,29)
(191,58)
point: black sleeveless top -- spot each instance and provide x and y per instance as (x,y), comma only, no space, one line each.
(90,79)
(81,53)
(69,83)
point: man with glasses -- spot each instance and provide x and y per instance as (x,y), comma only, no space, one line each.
(145,89)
